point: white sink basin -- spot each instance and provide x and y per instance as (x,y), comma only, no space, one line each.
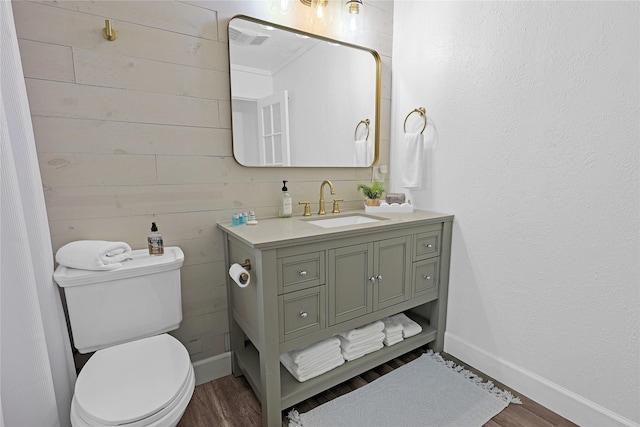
(341,221)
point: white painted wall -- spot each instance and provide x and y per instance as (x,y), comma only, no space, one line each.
(537,109)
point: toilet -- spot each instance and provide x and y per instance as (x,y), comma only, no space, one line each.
(139,375)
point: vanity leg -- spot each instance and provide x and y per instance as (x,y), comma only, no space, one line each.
(269,337)
(236,337)
(271,402)
(439,309)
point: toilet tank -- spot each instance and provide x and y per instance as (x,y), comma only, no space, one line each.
(140,299)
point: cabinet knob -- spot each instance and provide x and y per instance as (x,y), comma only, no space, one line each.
(426,277)
(379,277)
(428,245)
(372,279)
(303,314)
(303,272)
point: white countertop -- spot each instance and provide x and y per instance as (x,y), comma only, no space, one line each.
(295,230)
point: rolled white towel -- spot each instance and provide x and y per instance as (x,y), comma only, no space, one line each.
(316,350)
(93,254)
(364,331)
(409,327)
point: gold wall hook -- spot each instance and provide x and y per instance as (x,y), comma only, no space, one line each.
(108,32)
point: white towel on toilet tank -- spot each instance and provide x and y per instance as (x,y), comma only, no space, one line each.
(411,156)
(93,254)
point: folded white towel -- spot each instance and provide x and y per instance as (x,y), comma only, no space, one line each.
(316,350)
(364,331)
(306,373)
(388,341)
(409,327)
(93,254)
(356,346)
(391,325)
(352,355)
(411,153)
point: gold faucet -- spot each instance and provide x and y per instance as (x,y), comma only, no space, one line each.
(333,191)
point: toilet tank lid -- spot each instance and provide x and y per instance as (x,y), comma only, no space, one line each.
(141,263)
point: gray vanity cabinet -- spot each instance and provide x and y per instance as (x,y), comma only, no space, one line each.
(309,283)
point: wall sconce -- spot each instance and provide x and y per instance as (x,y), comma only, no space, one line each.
(318,8)
(354,15)
(280,6)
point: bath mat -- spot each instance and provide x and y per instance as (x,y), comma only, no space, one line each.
(428,391)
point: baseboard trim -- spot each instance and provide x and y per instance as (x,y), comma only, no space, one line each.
(212,368)
(560,400)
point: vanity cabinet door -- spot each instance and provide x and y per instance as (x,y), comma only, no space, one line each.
(392,270)
(349,285)
(367,277)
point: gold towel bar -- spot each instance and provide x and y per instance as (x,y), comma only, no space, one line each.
(420,111)
(366,122)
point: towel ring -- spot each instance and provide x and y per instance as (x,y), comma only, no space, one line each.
(366,122)
(422,113)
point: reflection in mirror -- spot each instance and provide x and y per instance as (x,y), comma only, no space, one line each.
(301,100)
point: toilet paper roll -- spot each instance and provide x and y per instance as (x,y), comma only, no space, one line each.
(239,275)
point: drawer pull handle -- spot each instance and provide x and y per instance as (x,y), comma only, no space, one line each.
(303,272)
(303,314)
(428,245)
(427,277)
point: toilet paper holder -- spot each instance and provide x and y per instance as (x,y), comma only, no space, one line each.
(246,264)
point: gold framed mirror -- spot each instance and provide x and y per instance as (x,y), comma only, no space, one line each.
(301,100)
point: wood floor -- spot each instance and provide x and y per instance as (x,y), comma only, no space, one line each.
(230,402)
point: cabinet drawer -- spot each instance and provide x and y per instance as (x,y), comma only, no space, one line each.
(425,278)
(301,312)
(301,271)
(426,245)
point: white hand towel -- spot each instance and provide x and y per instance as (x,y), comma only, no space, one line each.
(391,325)
(409,327)
(356,346)
(315,350)
(389,341)
(93,254)
(361,157)
(411,154)
(308,373)
(352,355)
(364,331)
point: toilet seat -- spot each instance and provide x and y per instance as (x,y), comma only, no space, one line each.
(147,382)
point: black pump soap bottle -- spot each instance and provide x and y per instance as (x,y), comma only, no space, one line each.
(156,245)
(286,205)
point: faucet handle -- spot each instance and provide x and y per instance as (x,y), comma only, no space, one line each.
(336,207)
(307,208)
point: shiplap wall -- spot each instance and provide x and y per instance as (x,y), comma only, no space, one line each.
(138,130)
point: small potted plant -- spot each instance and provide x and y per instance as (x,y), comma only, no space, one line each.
(372,192)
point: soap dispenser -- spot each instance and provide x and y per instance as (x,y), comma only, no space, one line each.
(156,245)
(286,206)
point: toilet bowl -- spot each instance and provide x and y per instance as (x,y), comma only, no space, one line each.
(147,382)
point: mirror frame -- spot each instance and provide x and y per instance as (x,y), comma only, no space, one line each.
(378,74)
